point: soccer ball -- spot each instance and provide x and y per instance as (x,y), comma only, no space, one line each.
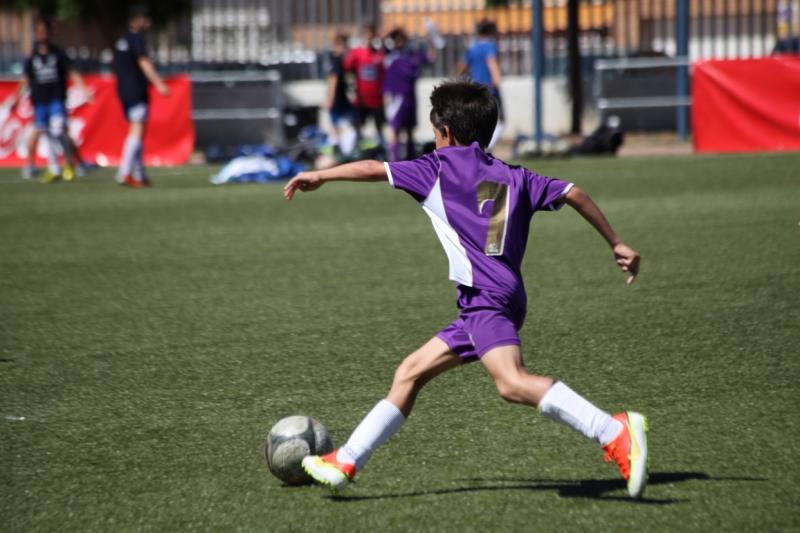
(291,439)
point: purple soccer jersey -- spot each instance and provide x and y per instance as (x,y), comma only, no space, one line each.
(481,210)
(402,71)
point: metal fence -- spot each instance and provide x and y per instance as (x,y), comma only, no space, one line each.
(262,34)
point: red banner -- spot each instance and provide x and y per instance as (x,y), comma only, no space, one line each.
(746,105)
(98,126)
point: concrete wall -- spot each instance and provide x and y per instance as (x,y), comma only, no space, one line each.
(517,94)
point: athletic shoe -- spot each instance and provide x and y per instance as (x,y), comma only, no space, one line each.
(68,173)
(130,181)
(327,470)
(629,451)
(49,177)
(28,172)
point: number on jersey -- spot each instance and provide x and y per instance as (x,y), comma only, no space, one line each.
(496,234)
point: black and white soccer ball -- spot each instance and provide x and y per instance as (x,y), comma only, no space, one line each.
(291,439)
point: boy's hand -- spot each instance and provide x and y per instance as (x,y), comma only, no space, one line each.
(305,182)
(628,260)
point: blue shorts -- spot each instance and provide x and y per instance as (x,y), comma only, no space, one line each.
(135,111)
(342,112)
(486,320)
(44,113)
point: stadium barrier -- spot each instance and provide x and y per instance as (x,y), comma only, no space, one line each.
(746,105)
(98,127)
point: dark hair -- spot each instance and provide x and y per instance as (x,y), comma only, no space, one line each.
(467,108)
(398,34)
(138,10)
(44,21)
(486,28)
(341,38)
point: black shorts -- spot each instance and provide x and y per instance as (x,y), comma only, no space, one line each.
(376,113)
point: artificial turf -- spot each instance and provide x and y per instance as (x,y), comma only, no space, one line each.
(151,338)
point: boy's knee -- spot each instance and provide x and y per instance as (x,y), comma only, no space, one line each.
(406,372)
(509,389)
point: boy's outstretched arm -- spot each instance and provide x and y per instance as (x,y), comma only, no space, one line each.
(626,257)
(356,171)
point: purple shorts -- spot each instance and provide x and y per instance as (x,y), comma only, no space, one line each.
(401,112)
(486,320)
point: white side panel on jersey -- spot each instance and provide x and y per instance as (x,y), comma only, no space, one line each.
(556,206)
(388,173)
(460,267)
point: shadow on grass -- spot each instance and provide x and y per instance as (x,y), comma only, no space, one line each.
(596,489)
(3,360)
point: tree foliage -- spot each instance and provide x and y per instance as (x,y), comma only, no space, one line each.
(112,12)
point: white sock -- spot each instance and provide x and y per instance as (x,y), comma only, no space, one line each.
(381,423)
(138,163)
(132,145)
(52,155)
(564,405)
(66,147)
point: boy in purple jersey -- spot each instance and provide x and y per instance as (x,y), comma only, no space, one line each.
(403,68)
(481,209)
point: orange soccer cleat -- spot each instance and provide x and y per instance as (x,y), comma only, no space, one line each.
(629,451)
(327,470)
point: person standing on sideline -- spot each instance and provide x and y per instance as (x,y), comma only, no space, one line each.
(134,70)
(337,102)
(367,64)
(45,73)
(403,68)
(480,62)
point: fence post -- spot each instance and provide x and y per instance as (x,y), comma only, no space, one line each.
(682,51)
(537,56)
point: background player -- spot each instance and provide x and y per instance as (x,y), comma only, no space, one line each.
(45,74)
(403,69)
(366,62)
(481,210)
(134,69)
(337,101)
(480,61)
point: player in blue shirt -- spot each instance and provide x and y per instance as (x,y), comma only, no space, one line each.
(134,70)
(480,62)
(481,210)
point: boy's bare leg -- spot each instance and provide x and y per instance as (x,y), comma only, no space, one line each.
(385,418)
(427,362)
(622,436)
(554,400)
(33,141)
(514,383)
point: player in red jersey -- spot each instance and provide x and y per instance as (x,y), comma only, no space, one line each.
(366,62)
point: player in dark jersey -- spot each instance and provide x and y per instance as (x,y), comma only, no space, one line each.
(134,71)
(337,101)
(45,73)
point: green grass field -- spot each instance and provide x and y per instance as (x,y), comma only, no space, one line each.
(151,338)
